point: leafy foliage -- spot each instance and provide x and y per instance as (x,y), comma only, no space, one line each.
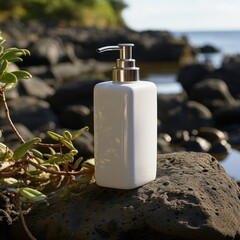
(100,13)
(25,170)
(9,79)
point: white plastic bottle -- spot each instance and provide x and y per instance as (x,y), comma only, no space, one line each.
(125,126)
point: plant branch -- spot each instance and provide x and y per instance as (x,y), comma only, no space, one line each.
(18,204)
(53,145)
(85,171)
(10,173)
(6,110)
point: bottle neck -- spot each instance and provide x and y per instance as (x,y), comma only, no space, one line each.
(125,71)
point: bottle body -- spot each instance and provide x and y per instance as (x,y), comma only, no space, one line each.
(125,134)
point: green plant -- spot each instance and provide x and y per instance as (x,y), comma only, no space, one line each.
(99,13)
(25,170)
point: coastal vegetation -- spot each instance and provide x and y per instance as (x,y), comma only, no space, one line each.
(86,13)
(26,169)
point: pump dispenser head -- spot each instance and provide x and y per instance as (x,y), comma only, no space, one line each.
(125,69)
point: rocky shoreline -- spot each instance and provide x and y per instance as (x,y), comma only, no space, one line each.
(205,117)
(51,45)
(65,67)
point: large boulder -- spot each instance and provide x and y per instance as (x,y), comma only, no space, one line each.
(168,102)
(33,113)
(77,116)
(229,72)
(191,198)
(190,115)
(208,49)
(213,93)
(228,115)
(45,51)
(35,87)
(73,93)
(192,74)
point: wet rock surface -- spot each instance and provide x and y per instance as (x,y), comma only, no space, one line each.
(191,198)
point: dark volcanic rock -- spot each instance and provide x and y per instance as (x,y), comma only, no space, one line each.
(154,46)
(77,116)
(220,150)
(50,45)
(213,93)
(74,93)
(34,113)
(168,102)
(45,51)
(212,135)
(196,144)
(84,145)
(229,72)
(10,136)
(228,115)
(35,87)
(208,49)
(188,116)
(192,74)
(191,198)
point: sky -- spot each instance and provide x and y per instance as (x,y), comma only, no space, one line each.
(182,15)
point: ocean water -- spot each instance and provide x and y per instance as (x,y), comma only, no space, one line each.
(228,42)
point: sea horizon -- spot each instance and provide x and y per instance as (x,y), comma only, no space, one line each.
(227,42)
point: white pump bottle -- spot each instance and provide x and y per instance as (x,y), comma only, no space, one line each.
(125,126)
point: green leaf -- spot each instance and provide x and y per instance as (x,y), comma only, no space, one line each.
(9,182)
(54,159)
(68,157)
(8,78)
(67,135)
(67,144)
(37,153)
(77,163)
(26,52)
(22,74)
(2,41)
(9,86)
(85,179)
(22,149)
(54,135)
(65,194)
(14,54)
(52,151)
(32,195)
(11,53)
(34,172)
(5,152)
(4,67)
(65,167)
(17,59)
(90,163)
(78,133)
(1,48)
(74,152)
